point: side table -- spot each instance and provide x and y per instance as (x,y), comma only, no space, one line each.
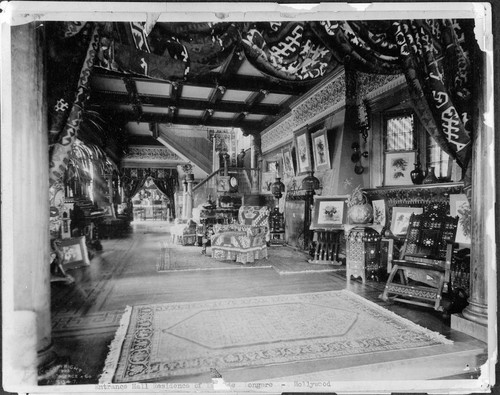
(356,236)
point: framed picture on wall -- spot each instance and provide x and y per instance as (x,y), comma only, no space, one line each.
(459,207)
(267,180)
(379,217)
(398,166)
(321,150)
(401,219)
(288,166)
(223,184)
(329,212)
(303,151)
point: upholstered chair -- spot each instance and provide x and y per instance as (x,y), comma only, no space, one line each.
(244,241)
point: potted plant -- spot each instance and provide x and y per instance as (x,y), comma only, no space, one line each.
(359,210)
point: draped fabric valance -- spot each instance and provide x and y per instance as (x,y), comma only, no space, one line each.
(433,54)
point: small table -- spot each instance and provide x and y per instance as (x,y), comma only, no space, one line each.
(356,236)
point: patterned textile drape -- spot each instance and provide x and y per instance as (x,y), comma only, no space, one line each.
(433,54)
(66,122)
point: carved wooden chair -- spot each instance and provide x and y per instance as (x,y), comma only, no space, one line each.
(424,265)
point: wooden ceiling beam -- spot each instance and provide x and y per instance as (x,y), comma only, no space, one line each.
(128,116)
(108,99)
(239,82)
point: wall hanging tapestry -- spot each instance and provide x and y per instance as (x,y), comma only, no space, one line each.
(158,341)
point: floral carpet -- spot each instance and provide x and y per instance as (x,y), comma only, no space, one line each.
(158,341)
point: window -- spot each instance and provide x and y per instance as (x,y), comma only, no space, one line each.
(403,132)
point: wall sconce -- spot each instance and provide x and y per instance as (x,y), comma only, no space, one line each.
(356,158)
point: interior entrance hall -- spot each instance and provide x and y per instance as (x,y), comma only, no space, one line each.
(248,205)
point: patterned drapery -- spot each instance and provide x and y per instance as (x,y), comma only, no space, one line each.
(166,180)
(433,54)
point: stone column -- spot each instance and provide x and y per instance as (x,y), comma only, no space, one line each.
(474,318)
(25,208)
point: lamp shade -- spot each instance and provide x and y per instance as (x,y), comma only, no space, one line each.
(310,183)
(277,188)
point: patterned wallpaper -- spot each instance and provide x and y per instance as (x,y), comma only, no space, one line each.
(151,153)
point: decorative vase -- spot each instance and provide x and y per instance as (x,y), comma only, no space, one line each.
(417,175)
(430,177)
(360,213)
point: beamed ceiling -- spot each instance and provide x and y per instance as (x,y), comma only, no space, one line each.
(236,95)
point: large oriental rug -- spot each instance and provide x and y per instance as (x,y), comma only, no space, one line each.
(158,341)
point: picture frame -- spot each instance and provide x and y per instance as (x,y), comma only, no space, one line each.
(460,207)
(398,166)
(288,165)
(223,184)
(379,215)
(266,181)
(303,151)
(271,166)
(74,252)
(401,219)
(321,150)
(329,212)
(109,210)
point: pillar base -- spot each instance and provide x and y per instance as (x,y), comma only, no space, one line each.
(476,312)
(471,328)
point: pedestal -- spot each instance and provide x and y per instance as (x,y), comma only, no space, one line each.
(355,249)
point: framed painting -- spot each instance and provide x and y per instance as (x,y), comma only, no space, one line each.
(329,212)
(288,166)
(303,151)
(321,150)
(398,166)
(271,166)
(379,217)
(109,210)
(223,184)
(266,181)
(459,207)
(401,219)
(74,252)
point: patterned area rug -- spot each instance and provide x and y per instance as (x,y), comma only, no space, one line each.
(284,260)
(158,341)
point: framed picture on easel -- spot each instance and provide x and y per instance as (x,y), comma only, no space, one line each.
(74,252)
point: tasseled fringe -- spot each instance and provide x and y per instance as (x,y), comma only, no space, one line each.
(115,349)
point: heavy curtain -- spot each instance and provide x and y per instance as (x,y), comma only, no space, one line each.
(434,55)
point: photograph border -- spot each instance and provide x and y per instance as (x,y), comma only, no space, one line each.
(75,241)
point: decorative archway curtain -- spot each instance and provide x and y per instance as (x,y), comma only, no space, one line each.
(433,54)
(166,180)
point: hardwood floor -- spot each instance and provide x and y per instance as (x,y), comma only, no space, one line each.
(86,314)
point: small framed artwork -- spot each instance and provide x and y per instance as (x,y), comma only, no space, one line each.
(74,252)
(267,180)
(398,166)
(288,167)
(223,184)
(460,207)
(329,212)
(271,166)
(303,151)
(401,219)
(321,150)
(109,210)
(379,212)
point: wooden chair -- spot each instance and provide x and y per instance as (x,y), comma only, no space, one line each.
(425,260)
